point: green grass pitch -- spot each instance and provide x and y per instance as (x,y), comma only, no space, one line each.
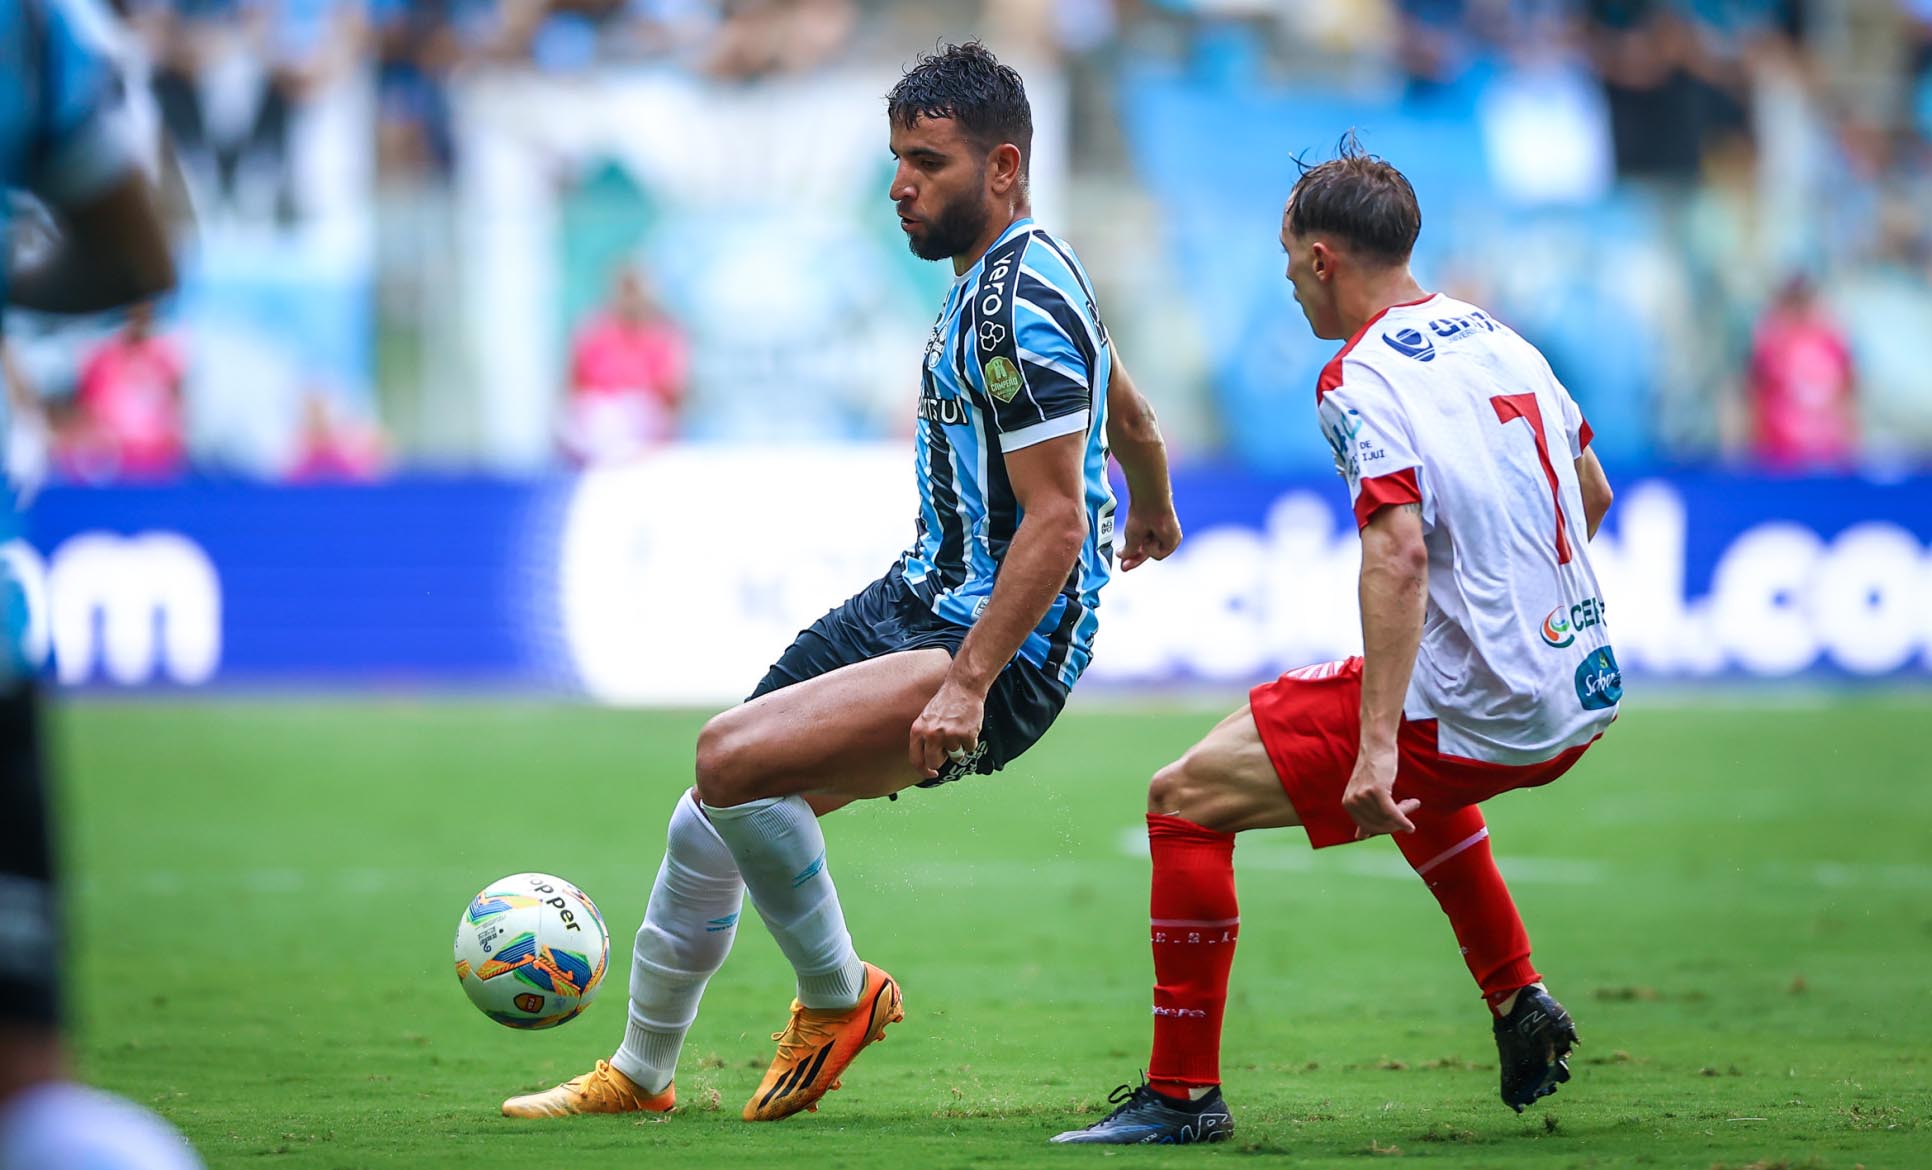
(1735,901)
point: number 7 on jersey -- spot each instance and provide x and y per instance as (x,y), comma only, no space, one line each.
(1523,406)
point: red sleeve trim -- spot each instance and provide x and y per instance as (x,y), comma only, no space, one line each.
(1331,378)
(1584,434)
(1332,372)
(1386,491)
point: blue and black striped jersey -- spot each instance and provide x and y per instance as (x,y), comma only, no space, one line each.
(58,95)
(1018,356)
(59,142)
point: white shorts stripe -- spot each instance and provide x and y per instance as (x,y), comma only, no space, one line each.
(1318,671)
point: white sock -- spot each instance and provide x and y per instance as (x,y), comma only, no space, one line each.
(781,853)
(687,932)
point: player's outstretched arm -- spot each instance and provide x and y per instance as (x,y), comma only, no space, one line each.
(1394,592)
(1596,491)
(1152,530)
(1050,489)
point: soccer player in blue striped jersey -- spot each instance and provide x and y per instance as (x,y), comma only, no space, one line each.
(1013,361)
(63,142)
(952,663)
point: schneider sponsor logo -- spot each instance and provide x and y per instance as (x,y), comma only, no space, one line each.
(1563,624)
(1599,682)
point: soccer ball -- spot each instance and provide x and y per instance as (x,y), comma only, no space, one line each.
(531,951)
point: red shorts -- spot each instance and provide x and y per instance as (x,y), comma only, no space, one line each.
(1310,722)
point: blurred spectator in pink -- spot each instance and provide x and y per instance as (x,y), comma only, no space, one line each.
(627,377)
(334,449)
(130,394)
(1802,385)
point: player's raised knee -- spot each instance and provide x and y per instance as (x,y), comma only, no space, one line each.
(1172,791)
(724,774)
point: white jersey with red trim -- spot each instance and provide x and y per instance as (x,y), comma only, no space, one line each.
(1438,404)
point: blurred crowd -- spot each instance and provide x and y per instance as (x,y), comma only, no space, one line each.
(114,409)
(1782,148)
(1777,154)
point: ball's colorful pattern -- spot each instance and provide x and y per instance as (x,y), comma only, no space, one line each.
(488,905)
(531,951)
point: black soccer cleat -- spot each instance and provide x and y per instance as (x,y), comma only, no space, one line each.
(1143,1117)
(1533,1043)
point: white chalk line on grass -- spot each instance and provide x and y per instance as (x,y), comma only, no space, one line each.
(1289,852)
(274,881)
(1281,853)
(1292,854)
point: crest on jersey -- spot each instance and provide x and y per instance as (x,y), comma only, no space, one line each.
(1002,379)
(1556,629)
(1340,431)
(1411,343)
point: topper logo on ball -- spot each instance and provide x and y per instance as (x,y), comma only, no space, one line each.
(563,907)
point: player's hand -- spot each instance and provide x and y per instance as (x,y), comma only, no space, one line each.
(1151,533)
(1370,796)
(947,729)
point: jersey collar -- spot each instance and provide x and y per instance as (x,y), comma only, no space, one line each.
(1022,224)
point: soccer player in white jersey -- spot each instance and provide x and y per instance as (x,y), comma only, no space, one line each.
(1486,661)
(952,663)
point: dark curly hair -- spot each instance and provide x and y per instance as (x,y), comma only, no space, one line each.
(1359,198)
(969,85)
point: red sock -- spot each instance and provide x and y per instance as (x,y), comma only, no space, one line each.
(1451,853)
(1194,924)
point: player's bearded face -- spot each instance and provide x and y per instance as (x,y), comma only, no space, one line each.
(956,225)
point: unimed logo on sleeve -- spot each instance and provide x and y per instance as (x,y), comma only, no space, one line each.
(130,609)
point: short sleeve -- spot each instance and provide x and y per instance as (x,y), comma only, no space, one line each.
(1576,428)
(1369,434)
(84,143)
(1035,354)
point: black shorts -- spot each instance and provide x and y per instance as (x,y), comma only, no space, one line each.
(887,617)
(30,965)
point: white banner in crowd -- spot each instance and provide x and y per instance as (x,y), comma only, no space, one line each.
(684,577)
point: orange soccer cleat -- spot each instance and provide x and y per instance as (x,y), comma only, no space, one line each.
(819,1043)
(601,1090)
